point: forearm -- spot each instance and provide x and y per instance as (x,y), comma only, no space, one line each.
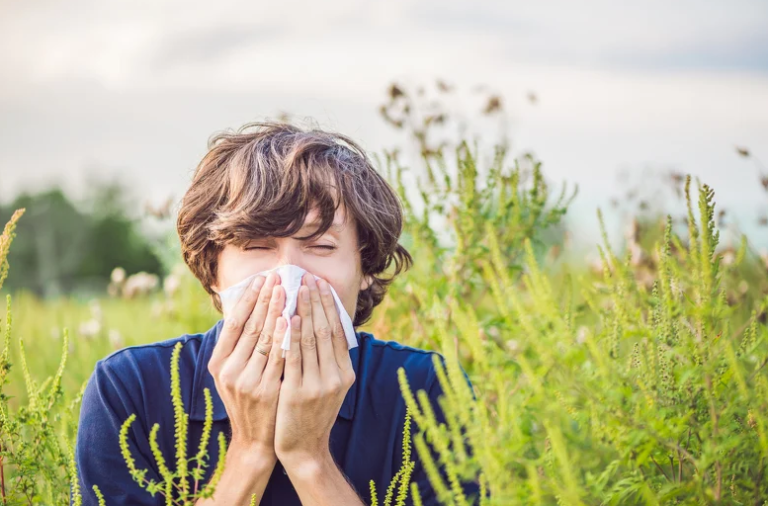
(319,482)
(245,473)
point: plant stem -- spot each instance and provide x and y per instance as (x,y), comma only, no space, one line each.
(2,475)
(660,469)
(196,480)
(713,414)
(757,484)
(672,467)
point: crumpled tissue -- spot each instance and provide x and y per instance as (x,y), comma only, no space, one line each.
(290,280)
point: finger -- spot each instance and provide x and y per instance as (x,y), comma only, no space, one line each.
(269,333)
(293,356)
(275,361)
(254,369)
(338,338)
(255,321)
(325,357)
(311,369)
(234,323)
(253,330)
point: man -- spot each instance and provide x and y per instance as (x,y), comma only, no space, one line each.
(315,426)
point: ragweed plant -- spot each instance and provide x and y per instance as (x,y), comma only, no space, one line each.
(451,196)
(175,486)
(402,479)
(514,202)
(603,391)
(35,452)
(9,232)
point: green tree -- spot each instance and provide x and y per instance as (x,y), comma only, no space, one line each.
(65,247)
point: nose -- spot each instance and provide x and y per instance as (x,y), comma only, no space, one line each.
(289,254)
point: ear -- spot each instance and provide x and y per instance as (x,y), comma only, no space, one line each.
(365,282)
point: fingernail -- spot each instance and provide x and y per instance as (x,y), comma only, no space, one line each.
(305,295)
(323,286)
(280,323)
(257,283)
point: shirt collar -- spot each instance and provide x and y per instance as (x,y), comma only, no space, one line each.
(203,379)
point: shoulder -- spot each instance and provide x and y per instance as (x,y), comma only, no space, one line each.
(381,360)
(149,357)
(140,375)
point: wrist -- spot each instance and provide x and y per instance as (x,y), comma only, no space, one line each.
(257,459)
(307,467)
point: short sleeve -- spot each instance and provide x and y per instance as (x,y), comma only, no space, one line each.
(105,406)
(426,491)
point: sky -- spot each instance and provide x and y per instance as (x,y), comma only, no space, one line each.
(135,89)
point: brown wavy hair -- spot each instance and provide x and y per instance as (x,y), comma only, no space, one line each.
(263,179)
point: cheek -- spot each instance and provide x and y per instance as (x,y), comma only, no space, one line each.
(346,288)
(234,266)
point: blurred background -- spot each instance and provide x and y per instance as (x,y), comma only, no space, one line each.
(106,108)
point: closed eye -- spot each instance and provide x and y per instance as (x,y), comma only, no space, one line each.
(330,248)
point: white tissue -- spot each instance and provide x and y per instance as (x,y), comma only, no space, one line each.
(290,280)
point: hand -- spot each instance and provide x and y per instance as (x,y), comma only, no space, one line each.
(247,381)
(318,374)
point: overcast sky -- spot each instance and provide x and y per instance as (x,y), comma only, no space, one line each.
(137,87)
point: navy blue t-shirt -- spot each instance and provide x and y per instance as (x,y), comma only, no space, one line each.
(366,439)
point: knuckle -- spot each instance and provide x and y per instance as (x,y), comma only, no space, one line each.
(308,342)
(313,393)
(265,337)
(251,328)
(232,323)
(242,386)
(323,332)
(248,297)
(334,385)
(347,378)
(264,297)
(228,379)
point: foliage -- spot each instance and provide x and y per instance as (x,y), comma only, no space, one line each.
(34,441)
(603,391)
(176,484)
(402,479)
(66,247)
(642,380)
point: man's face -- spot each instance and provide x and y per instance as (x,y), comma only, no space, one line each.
(334,256)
